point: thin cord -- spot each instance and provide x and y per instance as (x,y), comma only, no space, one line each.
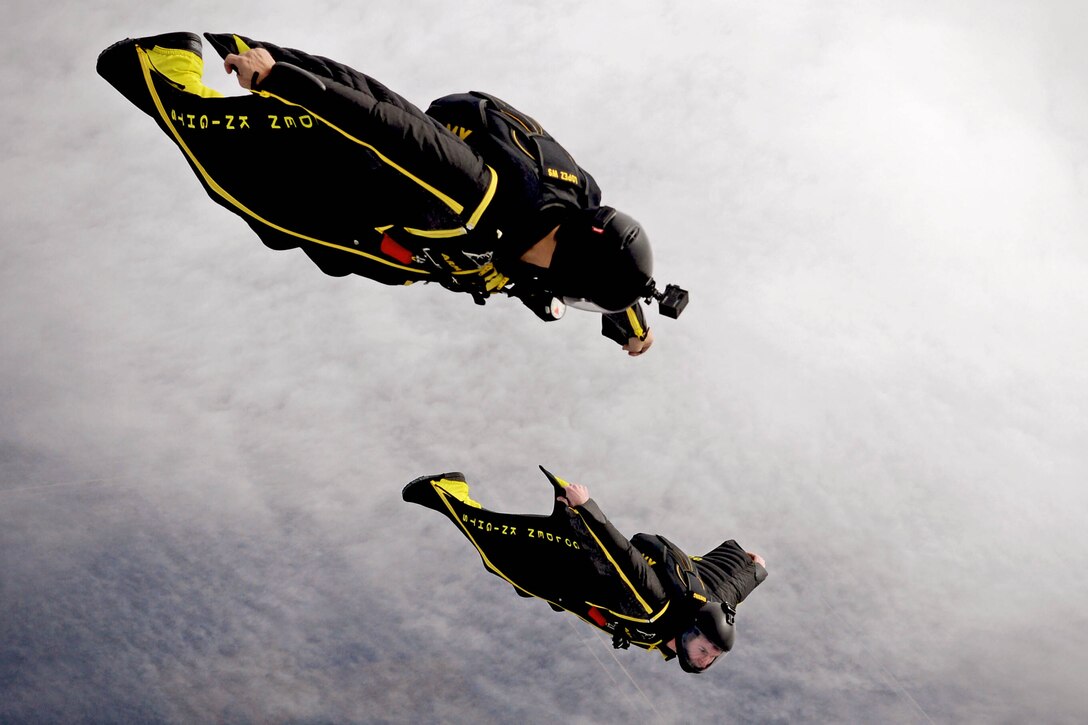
(590,649)
(39,487)
(896,685)
(621,666)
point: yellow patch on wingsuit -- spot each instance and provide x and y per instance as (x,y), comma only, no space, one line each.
(457,489)
(184,67)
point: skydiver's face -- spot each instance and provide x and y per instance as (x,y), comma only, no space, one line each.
(701,652)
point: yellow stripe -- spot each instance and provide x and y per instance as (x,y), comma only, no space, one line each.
(514,136)
(473,220)
(444,198)
(518,119)
(437,233)
(146,66)
(633,319)
(488,196)
(643,620)
(457,207)
(445,496)
(619,571)
(486,201)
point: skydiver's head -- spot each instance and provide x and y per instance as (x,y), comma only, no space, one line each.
(709,638)
(602,260)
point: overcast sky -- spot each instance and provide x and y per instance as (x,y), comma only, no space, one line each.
(881,383)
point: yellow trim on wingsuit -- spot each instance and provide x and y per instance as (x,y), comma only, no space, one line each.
(146,66)
(560,481)
(473,220)
(619,571)
(457,489)
(454,205)
(648,608)
(633,319)
(524,150)
(437,233)
(645,620)
(521,121)
(492,186)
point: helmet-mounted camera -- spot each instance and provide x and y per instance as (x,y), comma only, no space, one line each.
(671,302)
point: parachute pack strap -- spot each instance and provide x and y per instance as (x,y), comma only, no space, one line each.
(677,570)
(562,178)
(685,569)
(696,589)
(525,122)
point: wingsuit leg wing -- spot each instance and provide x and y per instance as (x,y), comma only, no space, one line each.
(540,556)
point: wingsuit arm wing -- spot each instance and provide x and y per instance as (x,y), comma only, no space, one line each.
(730,572)
(632,568)
(628,562)
(367,112)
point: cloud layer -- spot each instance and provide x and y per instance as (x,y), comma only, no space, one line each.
(879,384)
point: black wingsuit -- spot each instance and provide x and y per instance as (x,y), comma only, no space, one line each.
(643,591)
(326,159)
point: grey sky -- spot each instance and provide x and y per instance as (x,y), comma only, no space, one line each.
(880,384)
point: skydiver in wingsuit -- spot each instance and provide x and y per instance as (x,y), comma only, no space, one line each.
(643,591)
(473,194)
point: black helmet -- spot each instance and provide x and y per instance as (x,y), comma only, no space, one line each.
(717,621)
(714,620)
(602,260)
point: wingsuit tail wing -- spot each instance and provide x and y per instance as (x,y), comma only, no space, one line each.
(541,556)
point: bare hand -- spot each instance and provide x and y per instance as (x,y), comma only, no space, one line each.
(574,495)
(636,347)
(252,66)
(757,559)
